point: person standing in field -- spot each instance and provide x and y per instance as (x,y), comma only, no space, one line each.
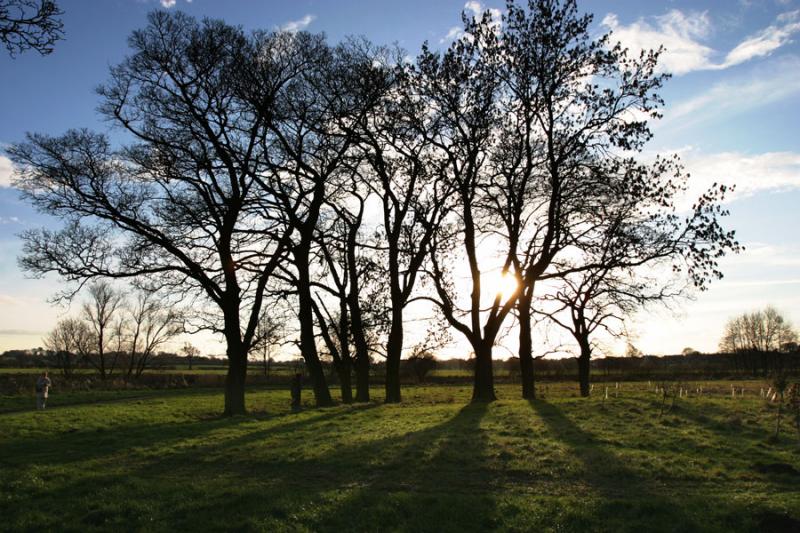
(42,388)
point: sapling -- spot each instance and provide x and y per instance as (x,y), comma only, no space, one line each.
(793,395)
(780,383)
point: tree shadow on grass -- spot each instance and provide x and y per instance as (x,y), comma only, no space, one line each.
(75,445)
(628,501)
(749,444)
(435,479)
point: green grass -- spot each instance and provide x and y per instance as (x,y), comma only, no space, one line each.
(165,460)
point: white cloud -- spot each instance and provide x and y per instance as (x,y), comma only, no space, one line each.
(298,25)
(452,34)
(750,174)
(168,3)
(6,170)
(476,9)
(682,35)
(775,82)
(679,33)
(765,41)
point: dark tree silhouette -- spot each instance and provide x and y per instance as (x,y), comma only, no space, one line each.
(309,147)
(181,204)
(575,114)
(30,24)
(68,340)
(459,90)
(190,351)
(396,167)
(344,272)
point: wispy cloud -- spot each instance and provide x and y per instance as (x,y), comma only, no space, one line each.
(765,41)
(683,35)
(774,82)
(21,332)
(749,173)
(6,170)
(168,3)
(298,25)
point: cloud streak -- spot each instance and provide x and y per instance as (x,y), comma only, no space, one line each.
(6,171)
(294,26)
(750,174)
(772,83)
(683,35)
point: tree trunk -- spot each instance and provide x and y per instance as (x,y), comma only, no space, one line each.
(345,385)
(483,390)
(234,382)
(362,379)
(394,350)
(526,369)
(584,367)
(305,313)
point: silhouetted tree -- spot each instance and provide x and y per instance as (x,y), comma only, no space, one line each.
(30,24)
(182,204)
(575,111)
(70,339)
(309,147)
(422,363)
(758,337)
(395,166)
(190,352)
(459,92)
(151,322)
(100,311)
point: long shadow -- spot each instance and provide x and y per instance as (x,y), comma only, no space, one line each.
(97,445)
(619,486)
(740,440)
(424,470)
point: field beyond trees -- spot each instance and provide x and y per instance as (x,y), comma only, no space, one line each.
(165,460)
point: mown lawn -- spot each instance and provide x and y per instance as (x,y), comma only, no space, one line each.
(166,461)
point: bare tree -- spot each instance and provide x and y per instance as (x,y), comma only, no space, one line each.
(758,338)
(394,160)
(309,146)
(190,351)
(152,323)
(459,90)
(182,205)
(100,312)
(30,24)
(575,114)
(69,340)
(269,335)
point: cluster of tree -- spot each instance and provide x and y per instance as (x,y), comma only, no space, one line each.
(114,333)
(272,174)
(759,340)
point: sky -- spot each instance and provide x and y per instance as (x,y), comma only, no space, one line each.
(732,113)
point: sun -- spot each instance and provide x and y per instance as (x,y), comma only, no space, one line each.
(494,283)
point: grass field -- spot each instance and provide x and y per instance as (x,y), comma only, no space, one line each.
(165,460)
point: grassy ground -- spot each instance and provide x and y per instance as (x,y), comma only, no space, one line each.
(165,461)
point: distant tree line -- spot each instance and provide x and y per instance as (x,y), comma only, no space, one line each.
(287,190)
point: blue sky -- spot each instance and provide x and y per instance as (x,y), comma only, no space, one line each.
(733,113)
